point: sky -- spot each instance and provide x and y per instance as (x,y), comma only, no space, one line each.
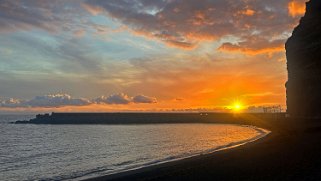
(143,55)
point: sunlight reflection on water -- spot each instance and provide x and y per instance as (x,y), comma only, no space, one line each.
(80,151)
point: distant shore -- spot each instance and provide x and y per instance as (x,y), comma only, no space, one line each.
(290,152)
(149,118)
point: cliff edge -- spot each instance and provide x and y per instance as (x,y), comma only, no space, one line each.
(303,51)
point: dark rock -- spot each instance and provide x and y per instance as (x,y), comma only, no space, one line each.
(20,122)
(303,51)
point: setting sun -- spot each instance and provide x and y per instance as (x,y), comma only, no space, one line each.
(237,106)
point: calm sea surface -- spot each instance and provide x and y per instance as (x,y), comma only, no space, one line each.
(74,152)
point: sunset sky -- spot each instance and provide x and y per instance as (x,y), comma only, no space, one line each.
(143,55)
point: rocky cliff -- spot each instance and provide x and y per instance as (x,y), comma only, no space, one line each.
(303,51)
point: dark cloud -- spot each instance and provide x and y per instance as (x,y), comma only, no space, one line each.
(114,99)
(185,23)
(11,103)
(57,100)
(177,23)
(61,100)
(47,15)
(144,99)
(122,98)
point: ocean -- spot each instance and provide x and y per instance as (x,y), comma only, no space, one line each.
(75,152)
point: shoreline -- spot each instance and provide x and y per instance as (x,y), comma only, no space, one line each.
(283,154)
(262,133)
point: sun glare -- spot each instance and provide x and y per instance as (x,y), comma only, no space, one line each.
(237,106)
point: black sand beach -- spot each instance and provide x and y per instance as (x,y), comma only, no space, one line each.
(290,152)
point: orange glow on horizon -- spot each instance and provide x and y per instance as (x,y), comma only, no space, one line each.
(202,88)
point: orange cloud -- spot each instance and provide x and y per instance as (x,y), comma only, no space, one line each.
(166,38)
(254,45)
(94,10)
(182,45)
(229,47)
(247,12)
(186,24)
(296,8)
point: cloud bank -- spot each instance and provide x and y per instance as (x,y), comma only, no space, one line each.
(185,23)
(56,100)
(144,99)
(61,100)
(125,99)
(114,99)
(177,23)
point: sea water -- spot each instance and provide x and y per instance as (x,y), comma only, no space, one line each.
(74,152)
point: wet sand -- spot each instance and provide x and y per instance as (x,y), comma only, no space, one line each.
(292,151)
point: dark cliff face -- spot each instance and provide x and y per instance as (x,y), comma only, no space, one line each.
(303,51)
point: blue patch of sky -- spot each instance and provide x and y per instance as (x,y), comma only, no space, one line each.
(122,44)
(37,51)
(26,51)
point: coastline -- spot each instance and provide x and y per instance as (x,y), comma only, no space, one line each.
(289,152)
(262,133)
